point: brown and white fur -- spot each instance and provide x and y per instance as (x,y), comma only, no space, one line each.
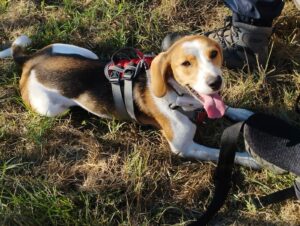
(60,76)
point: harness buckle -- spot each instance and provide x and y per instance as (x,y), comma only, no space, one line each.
(115,77)
(173,106)
(133,69)
(129,72)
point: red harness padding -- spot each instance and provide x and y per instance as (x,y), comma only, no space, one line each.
(124,60)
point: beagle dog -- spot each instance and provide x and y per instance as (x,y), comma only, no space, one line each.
(60,76)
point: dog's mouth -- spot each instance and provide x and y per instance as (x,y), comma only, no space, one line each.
(212,103)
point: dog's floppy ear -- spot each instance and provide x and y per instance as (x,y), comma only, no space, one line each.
(221,52)
(159,69)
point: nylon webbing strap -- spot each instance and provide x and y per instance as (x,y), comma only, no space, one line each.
(279,196)
(118,100)
(128,96)
(122,77)
(275,197)
(223,173)
(129,74)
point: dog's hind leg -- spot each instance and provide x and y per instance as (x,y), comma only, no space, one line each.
(45,101)
(92,103)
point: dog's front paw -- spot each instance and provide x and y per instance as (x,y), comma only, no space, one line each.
(238,114)
(244,159)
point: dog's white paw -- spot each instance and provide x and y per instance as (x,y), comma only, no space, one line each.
(238,114)
(244,159)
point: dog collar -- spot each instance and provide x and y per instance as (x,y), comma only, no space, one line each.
(186,104)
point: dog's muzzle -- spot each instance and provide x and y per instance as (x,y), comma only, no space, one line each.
(214,83)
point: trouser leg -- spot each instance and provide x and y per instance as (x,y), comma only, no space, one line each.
(255,12)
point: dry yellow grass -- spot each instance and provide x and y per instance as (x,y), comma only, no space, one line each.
(78,169)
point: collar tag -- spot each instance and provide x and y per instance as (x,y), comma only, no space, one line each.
(200,117)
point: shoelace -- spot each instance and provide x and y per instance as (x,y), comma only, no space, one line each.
(220,32)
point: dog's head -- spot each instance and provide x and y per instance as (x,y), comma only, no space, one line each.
(195,63)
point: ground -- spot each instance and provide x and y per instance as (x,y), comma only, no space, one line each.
(77,169)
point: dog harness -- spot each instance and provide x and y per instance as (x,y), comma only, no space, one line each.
(125,65)
(128,63)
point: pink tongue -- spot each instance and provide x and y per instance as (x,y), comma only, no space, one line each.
(213,105)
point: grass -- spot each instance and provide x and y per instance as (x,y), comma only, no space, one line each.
(77,169)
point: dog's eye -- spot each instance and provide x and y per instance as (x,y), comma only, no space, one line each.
(186,63)
(213,54)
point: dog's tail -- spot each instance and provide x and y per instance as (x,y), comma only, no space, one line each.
(17,50)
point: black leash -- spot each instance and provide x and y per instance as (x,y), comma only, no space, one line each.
(278,196)
(297,105)
(275,197)
(223,174)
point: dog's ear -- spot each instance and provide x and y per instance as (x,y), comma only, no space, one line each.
(159,70)
(221,52)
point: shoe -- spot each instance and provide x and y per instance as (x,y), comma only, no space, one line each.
(297,3)
(169,39)
(243,44)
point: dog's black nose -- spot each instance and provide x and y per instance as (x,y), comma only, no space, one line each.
(215,82)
